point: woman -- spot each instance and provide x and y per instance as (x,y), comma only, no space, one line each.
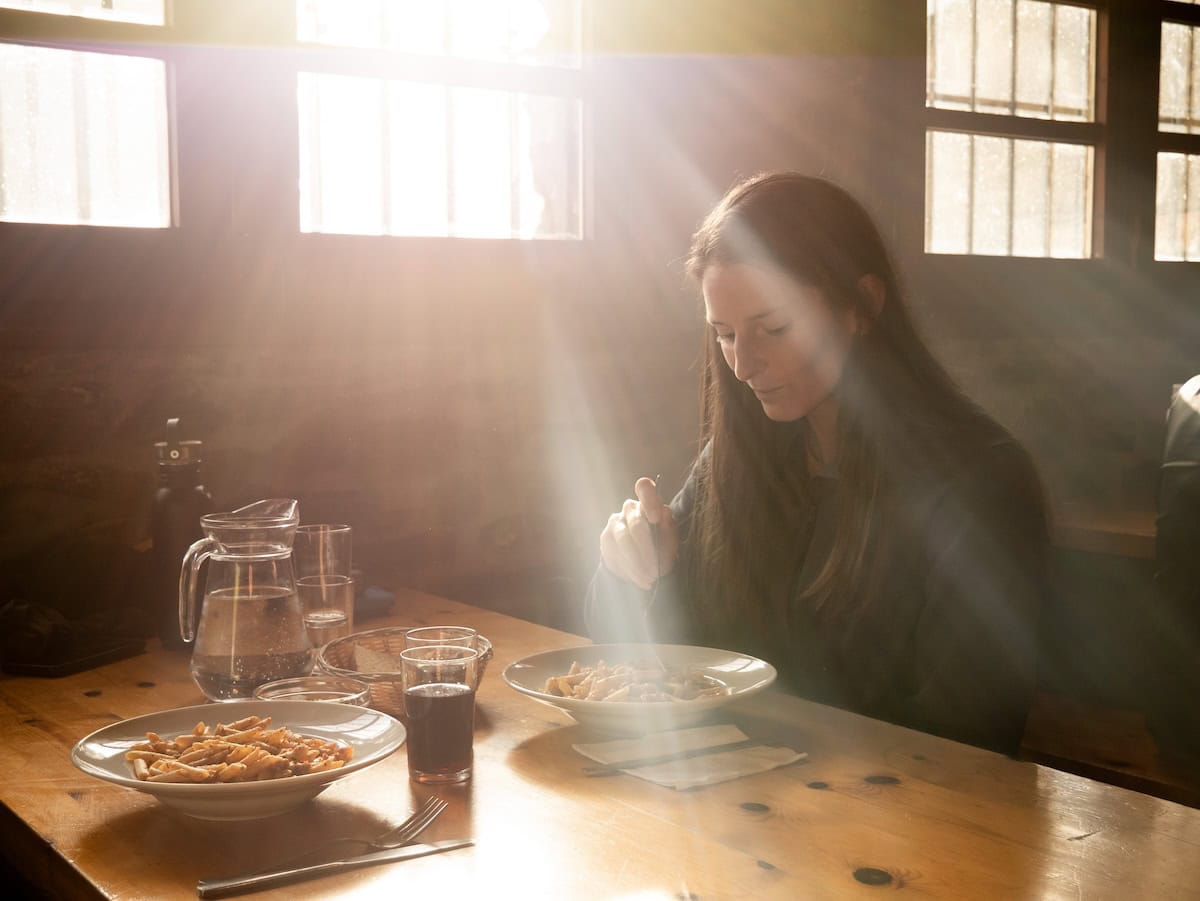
(852,517)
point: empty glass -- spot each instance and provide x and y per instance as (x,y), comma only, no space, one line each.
(315,688)
(322,555)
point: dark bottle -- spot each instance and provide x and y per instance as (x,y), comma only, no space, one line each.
(179,503)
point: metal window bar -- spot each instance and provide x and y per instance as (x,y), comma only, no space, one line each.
(447,43)
(1012,152)
(316,187)
(931,95)
(1187,193)
(83,180)
(1053,59)
(385,129)
(451,224)
(971,195)
(1048,232)
(1190,69)
(514,177)
(1012,62)
(974,50)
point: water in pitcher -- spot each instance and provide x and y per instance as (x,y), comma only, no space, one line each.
(248,637)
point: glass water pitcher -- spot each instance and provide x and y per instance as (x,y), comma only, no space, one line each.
(250,627)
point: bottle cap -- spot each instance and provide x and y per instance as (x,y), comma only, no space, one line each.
(174,452)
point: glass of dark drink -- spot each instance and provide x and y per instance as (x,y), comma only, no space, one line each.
(439,703)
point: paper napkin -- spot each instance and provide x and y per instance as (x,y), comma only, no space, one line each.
(690,772)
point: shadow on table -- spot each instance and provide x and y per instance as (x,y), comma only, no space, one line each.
(166,845)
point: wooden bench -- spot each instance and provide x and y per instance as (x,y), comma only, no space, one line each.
(1107,744)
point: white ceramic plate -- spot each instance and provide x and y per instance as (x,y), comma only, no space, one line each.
(372,735)
(743,674)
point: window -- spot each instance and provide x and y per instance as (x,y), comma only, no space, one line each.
(478,134)
(1177,195)
(1010,147)
(144,12)
(518,31)
(83,138)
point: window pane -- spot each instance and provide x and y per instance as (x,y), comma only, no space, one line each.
(1032,58)
(1035,59)
(524,31)
(1031,199)
(948,183)
(1073,63)
(411,158)
(143,12)
(1070,200)
(991,223)
(83,138)
(1179,79)
(1177,221)
(1001,196)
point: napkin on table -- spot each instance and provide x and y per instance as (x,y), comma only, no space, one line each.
(691,772)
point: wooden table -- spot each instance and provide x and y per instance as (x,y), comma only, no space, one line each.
(873,802)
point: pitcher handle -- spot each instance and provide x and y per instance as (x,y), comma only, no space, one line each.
(188,576)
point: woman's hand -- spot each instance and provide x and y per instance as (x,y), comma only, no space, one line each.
(627,544)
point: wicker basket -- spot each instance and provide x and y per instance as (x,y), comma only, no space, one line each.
(387,690)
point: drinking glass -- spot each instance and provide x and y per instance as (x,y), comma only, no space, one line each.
(322,557)
(427,636)
(439,702)
(316,688)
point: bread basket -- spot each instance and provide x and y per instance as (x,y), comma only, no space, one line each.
(341,657)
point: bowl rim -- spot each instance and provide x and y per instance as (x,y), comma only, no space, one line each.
(620,708)
(128,730)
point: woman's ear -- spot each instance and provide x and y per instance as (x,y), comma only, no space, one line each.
(874,292)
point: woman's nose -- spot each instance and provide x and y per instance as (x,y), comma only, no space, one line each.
(747,361)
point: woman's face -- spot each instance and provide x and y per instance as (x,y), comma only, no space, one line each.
(782,338)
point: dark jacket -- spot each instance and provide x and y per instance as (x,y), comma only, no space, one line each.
(1171,614)
(947,643)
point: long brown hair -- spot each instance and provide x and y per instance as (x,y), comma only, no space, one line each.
(896,407)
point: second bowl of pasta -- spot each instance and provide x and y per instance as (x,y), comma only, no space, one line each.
(636,688)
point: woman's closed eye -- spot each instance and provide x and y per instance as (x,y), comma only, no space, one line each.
(729,337)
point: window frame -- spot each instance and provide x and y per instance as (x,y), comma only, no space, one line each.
(1093,134)
(573,82)
(1166,141)
(55,31)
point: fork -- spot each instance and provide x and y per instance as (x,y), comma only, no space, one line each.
(393,838)
(400,835)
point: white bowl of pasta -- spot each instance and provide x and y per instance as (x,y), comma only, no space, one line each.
(282,754)
(623,688)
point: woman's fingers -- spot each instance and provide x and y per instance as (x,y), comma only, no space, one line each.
(627,546)
(640,543)
(636,540)
(647,495)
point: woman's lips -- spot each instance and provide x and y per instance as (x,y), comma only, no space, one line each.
(766,392)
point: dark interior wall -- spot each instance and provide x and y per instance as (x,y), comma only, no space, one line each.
(473,408)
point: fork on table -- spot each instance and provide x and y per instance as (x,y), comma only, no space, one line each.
(393,838)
